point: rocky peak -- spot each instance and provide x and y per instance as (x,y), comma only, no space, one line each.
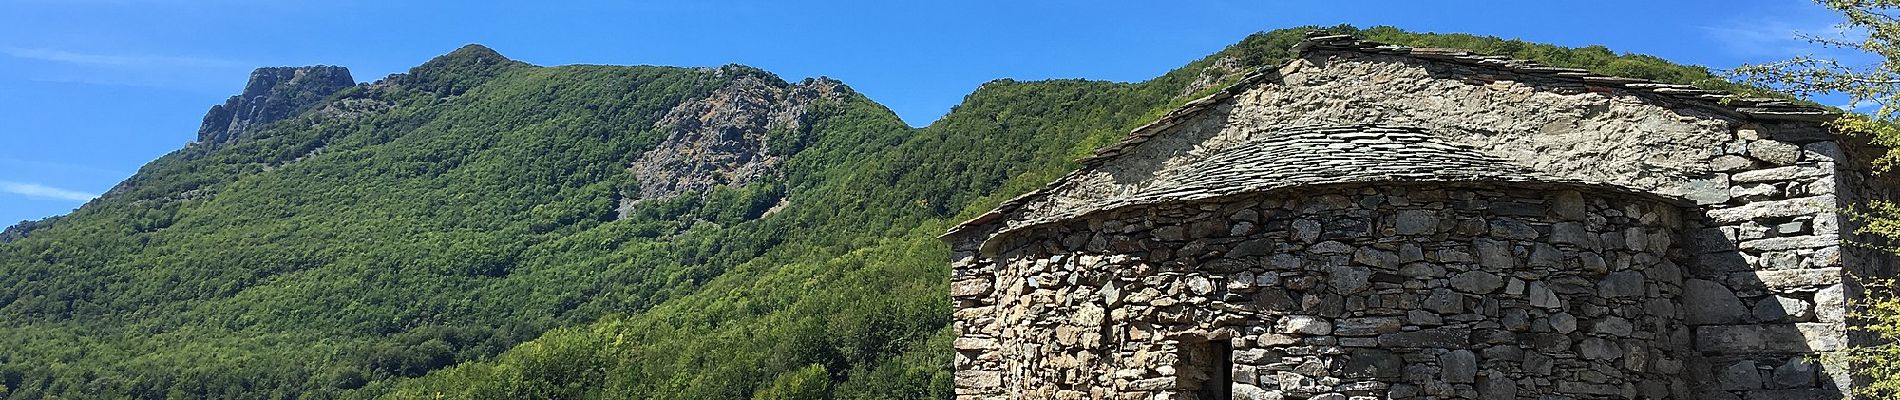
(272,95)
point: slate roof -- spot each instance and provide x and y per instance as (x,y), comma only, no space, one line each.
(1315,155)
(1320,155)
(1239,170)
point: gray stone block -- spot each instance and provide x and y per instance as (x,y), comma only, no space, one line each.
(1458,366)
(1770,338)
(1739,376)
(1476,282)
(1708,303)
(1621,284)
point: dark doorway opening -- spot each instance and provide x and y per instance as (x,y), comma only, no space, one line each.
(1209,369)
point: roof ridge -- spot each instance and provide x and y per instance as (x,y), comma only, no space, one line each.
(1764,108)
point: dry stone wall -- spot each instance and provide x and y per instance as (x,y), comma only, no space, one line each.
(1392,291)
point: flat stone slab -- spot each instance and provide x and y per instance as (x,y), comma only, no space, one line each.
(1777,338)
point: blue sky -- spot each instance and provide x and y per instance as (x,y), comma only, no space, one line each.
(92,89)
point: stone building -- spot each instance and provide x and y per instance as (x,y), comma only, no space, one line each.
(1375,221)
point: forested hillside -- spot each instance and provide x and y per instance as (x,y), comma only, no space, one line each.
(474,229)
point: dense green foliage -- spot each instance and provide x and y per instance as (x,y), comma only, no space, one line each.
(461,242)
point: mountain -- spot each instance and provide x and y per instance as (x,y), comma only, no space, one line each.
(480,227)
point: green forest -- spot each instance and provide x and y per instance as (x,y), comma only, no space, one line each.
(463,242)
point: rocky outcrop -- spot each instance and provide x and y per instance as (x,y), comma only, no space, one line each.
(1222,70)
(272,95)
(735,136)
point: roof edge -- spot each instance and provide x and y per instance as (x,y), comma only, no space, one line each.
(988,244)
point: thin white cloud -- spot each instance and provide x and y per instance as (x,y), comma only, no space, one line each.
(112,60)
(1767,38)
(1781,31)
(16,163)
(39,191)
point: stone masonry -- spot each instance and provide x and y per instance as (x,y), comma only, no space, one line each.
(1375,221)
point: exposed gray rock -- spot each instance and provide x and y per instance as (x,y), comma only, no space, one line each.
(1773,209)
(1251,248)
(1544,255)
(1376,258)
(1730,163)
(1776,338)
(1329,247)
(1740,376)
(1200,285)
(1711,189)
(273,94)
(1306,230)
(724,138)
(1422,270)
(1349,279)
(1306,325)
(1830,303)
(1599,349)
(1707,303)
(1784,280)
(1755,191)
(1614,327)
(1497,386)
(1244,391)
(1568,205)
(1284,262)
(1541,296)
(1563,322)
(970,287)
(1458,366)
(1495,254)
(1778,174)
(1372,363)
(1796,373)
(1782,309)
(1774,152)
(1508,228)
(1368,326)
(1573,233)
(1416,222)
(1621,284)
(1445,302)
(1476,282)
(1441,338)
